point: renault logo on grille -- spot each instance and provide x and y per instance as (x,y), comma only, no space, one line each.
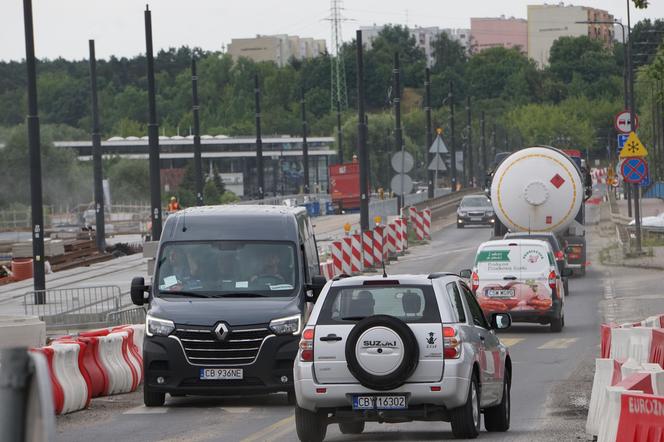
(221,331)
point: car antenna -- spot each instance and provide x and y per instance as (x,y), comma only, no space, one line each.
(184,221)
(384,272)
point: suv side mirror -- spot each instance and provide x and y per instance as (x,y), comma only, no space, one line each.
(466,273)
(501,321)
(316,286)
(137,291)
(566,272)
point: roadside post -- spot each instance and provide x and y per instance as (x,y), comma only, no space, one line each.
(198,162)
(634,170)
(362,137)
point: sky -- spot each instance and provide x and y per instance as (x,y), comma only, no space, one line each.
(63,27)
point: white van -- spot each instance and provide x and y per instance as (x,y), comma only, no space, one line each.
(519,277)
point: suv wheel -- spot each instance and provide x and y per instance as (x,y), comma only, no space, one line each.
(310,426)
(558,323)
(498,418)
(466,419)
(153,398)
(351,427)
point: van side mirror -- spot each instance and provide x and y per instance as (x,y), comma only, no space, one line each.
(501,321)
(316,286)
(566,272)
(137,291)
(466,273)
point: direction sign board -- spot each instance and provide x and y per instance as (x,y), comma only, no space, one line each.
(623,123)
(633,147)
(402,160)
(634,170)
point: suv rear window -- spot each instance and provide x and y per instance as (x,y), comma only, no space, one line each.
(411,304)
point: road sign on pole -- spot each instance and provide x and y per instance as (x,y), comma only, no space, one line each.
(401,184)
(622,139)
(633,147)
(634,170)
(623,123)
(438,146)
(402,162)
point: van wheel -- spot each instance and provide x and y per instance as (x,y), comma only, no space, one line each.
(498,418)
(557,324)
(153,398)
(466,419)
(351,427)
(310,426)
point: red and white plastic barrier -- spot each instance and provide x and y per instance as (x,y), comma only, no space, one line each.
(327,269)
(416,222)
(68,370)
(367,249)
(641,418)
(426,223)
(391,229)
(378,245)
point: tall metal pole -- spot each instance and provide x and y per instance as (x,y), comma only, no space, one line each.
(632,118)
(398,134)
(340,134)
(469,128)
(494,141)
(259,140)
(305,146)
(483,152)
(100,235)
(453,163)
(362,137)
(34,143)
(198,161)
(427,111)
(153,133)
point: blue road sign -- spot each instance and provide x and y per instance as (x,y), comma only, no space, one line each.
(634,170)
(645,182)
(622,139)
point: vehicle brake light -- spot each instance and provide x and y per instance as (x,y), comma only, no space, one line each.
(552,279)
(307,345)
(560,255)
(451,343)
(475,281)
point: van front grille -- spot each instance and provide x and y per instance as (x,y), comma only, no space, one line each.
(240,346)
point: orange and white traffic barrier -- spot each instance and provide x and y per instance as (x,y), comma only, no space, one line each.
(391,240)
(336,249)
(352,254)
(402,235)
(416,222)
(641,418)
(367,249)
(378,245)
(426,223)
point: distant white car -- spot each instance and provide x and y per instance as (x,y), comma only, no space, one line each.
(651,221)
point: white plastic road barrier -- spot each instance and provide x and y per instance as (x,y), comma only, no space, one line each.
(118,371)
(22,331)
(631,343)
(658,383)
(610,414)
(629,367)
(67,371)
(653,321)
(129,357)
(607,373)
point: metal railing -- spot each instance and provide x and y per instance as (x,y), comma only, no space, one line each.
(132,315)
(73,308)
(294,200)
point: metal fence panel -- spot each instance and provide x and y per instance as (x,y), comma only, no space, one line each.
(71,308)
(135,315)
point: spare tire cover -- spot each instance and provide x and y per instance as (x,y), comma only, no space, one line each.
(381,352)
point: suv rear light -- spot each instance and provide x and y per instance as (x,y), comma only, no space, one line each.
(307,345)
(559,255)
(451,343)
(475,281)
(552,279)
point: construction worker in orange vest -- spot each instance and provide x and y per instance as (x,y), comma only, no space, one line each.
(174,205)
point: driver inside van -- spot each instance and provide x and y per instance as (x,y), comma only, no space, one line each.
(270,268)
(174,270)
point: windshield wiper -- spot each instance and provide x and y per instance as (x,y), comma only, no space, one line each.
(180,293)
(240,295)
(353,318)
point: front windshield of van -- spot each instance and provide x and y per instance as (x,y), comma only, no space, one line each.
(227,269)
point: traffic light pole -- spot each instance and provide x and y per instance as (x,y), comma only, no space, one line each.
(198,161)
(100,234)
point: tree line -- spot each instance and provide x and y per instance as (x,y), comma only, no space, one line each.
(570,103)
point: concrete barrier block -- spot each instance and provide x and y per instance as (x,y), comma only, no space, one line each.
(22,331)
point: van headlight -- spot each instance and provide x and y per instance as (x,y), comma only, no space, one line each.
(291,325)
(158,327)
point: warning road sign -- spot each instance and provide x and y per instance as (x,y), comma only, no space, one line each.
(634,170)
(623,123)
(633,147)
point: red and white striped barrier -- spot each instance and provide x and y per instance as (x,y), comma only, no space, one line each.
(327,269)
(367,249)
(426,223)
(416,222)
(607,373)
(402,235)
(336,250)
(56,387)
(68,370)
(391,229)
(641,418)
(353,252)
(378,246)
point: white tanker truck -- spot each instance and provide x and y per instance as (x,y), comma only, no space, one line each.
(542,189)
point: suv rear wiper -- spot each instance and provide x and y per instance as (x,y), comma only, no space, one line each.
(353,318)
(240,295)
(180,293)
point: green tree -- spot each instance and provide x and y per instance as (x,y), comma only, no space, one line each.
(211,194)
(129,179)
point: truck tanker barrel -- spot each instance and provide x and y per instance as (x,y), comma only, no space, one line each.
(537,189)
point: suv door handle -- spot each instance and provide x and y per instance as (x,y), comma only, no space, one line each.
(331,337)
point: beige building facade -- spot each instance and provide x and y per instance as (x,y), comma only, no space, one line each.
(549,22)
(279,49)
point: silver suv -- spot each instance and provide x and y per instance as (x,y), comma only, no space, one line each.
(398,349)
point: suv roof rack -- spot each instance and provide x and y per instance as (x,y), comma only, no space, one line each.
(341,276)
(437,275)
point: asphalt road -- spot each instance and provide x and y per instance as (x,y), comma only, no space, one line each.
(549,393)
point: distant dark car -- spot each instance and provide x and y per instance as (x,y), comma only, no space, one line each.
(558,250)
(475,209)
